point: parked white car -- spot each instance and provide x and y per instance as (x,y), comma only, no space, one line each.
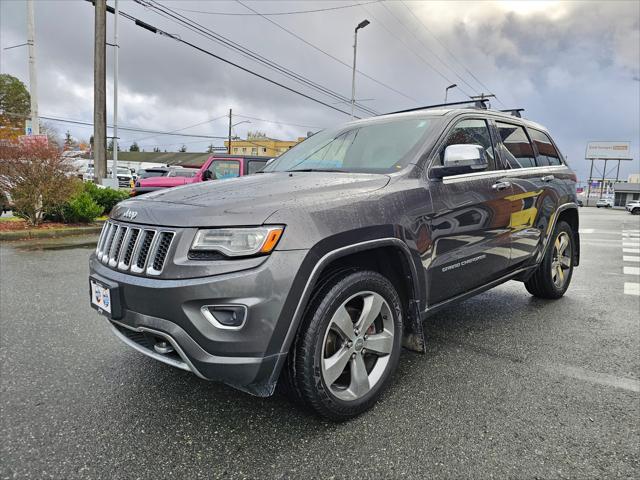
(633,207)
(605,203)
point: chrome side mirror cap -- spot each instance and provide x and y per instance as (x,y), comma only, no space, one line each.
(469,156)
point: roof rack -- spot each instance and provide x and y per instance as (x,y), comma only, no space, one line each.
(478,103)
(514,112)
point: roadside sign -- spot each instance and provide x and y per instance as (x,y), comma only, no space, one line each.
(33,139)
(28,130)
(608,151)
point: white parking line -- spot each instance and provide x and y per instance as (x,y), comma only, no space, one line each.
(586,230)
(632,288)
(631,250)
(631,270)
(630,258)
(631,244)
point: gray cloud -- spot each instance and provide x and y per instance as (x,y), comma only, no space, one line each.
(573,66)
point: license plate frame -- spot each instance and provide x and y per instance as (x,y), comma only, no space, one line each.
(101,297)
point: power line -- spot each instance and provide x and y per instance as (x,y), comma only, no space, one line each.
(426,46)
(443,45)
(315,47)
(158,31)
(273,14)
(420,57)
(274,121)
(179,129)
(210,34)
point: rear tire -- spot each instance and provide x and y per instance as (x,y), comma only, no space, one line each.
(553,276)
(635,211)
(348,346)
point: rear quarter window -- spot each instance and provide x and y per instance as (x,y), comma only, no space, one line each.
(547,153)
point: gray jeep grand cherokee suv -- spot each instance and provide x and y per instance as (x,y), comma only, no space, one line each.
(313,274)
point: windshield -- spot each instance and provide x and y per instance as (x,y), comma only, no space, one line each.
(151,173)
(183,173)
(381,147)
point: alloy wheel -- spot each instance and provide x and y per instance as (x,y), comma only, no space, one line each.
(357,345)
(561,262)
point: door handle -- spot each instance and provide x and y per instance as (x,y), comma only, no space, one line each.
(501,185)
(547,178)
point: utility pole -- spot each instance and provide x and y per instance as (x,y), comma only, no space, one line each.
(116,47)
(479,99)
(604,173)
(229,145)
(99,92)
(33,80)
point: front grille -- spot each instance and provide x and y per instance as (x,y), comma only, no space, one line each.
(137,249)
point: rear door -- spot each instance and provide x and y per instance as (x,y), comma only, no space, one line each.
(470,223)
(537,174)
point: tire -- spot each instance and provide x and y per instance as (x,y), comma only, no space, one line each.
(635,211)
(553,276)
(336,370)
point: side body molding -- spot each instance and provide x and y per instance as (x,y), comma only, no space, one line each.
(413,340)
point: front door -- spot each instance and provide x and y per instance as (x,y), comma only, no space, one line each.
(470,224)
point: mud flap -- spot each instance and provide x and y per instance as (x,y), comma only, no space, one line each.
(413,336)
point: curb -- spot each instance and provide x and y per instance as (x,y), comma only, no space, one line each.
(53,233)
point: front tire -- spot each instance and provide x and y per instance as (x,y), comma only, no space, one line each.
(348,346)
(553,276)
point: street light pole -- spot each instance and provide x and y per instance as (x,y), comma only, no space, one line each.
(446,91)
(362,24)
(33,80)
(229,146)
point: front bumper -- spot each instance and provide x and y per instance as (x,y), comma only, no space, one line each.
(147,310)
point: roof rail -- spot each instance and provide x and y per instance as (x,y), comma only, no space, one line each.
(515,112)
(479,103)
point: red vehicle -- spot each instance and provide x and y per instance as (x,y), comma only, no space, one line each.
(217,167)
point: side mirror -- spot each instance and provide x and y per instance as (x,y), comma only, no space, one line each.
(207,175)
(460,159)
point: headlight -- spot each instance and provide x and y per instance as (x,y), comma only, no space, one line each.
(238,242)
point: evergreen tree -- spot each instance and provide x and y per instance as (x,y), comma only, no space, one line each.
(69,143)
(134,147)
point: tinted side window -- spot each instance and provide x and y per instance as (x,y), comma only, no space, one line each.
(470,132)
(518,151)
(547,153)
(225,169)
(254,166)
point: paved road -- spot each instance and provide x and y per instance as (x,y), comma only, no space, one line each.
(510,386)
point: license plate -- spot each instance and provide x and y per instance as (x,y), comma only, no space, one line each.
(100,296)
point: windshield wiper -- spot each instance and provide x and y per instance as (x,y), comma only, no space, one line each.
(318,170)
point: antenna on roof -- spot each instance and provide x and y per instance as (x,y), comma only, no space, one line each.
(514,112)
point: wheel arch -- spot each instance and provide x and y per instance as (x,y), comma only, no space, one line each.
(390,257)
(569,214)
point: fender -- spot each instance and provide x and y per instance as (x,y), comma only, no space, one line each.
(551,227)
(414,339)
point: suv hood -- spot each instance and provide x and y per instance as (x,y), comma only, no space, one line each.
(244,201)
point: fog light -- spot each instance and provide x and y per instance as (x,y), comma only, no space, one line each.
(230,317)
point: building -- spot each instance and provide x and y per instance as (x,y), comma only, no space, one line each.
(625,192)
(261,147)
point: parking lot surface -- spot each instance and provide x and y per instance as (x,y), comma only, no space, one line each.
(510,386)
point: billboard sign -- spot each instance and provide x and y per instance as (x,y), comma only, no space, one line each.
(608,151)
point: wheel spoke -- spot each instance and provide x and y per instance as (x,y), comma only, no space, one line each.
(561,275)
(335,365)
(565,262)
(564,242)
(370,311)
(380,343)
(359,377)
(343,324)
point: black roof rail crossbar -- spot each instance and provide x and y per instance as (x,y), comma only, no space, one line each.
(479,103)
(514,111)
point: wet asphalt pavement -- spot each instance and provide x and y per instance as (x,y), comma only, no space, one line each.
(511,386)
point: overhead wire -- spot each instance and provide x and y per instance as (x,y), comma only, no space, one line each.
(176,38)
(408,46)
(275,14)
(206,32)
(315,47)
(453,56)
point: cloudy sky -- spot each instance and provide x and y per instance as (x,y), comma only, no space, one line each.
(574,66)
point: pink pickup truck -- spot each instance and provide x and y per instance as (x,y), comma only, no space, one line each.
(217,167)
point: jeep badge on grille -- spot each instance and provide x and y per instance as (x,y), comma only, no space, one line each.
(130,214)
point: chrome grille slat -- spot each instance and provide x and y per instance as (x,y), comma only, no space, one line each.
(134,248)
